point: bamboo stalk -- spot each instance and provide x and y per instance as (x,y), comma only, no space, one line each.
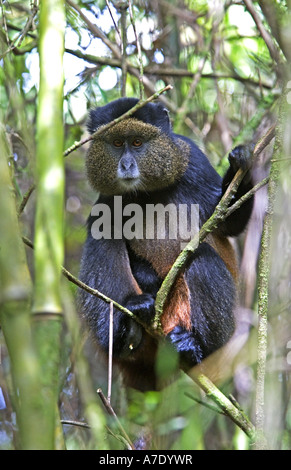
(49,246)
(15,294)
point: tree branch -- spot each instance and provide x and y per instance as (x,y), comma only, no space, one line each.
(112,413)
(115,50)
(228,408)
(162,71)
(139,54)
(96,292)
(263,286)
(274,52)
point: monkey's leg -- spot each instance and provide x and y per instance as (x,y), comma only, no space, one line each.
(212,297)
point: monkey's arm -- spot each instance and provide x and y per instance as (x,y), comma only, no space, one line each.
(239,157)
(143,305)
(105,266)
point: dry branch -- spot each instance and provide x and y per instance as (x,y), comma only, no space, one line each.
(112,413)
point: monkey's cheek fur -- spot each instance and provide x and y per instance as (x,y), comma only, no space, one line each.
(113,187)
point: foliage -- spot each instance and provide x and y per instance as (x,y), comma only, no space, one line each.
(226,61)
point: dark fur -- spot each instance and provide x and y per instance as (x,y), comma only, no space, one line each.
(132,272)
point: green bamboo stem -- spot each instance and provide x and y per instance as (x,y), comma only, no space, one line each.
(93,409)
(49,246)
(49,250)
(15,291)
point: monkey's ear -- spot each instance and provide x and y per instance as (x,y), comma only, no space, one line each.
(167,117)
(95,120)
(167,120)
(103,114)
(161,118)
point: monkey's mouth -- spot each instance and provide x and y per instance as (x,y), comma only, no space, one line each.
(128,184)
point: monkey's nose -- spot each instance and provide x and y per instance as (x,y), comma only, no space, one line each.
(128,168)
(126,164)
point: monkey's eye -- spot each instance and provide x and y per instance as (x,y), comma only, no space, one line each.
(137,142)
(118,143)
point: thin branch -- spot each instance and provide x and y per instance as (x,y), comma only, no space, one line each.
(16,43)
(265,140)
(95,292)
(75,423)
(274,52)
(163,71)
(112,413)
(99,34)
(95,30)
(204,403)
(110,353)
(25,199)
(122,6)
(234,413)
(261,145)
(139,54)
(115,25)
(129,113)
(246,196)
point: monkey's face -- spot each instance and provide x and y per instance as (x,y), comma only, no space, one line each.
(133,156)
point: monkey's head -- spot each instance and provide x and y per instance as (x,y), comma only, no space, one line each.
(137,154)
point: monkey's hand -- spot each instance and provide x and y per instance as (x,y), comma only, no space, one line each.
(143,306)
(131,333)
(128,339)
(241,157)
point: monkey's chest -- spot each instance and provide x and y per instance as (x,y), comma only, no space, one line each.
(164,232)
(161,254)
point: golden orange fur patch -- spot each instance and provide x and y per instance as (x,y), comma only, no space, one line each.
(226,251)
(177,310)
